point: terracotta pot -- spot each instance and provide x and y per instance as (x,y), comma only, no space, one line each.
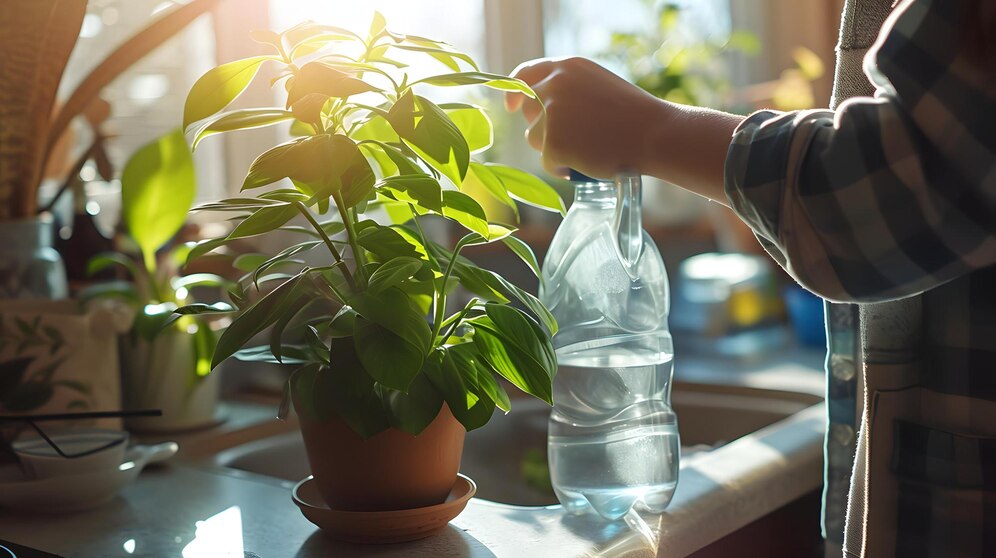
(391,470)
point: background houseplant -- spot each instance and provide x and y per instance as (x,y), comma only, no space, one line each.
(40,35)
(37,373)
(381,353)
(166,359)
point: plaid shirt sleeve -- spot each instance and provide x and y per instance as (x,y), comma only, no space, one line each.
(887,196)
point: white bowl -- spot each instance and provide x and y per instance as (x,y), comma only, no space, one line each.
(69,493)
(40,460)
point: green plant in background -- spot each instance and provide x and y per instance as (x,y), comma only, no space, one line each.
(158,186)
(672,64)
(381,349)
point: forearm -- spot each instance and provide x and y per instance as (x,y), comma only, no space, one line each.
(687,146)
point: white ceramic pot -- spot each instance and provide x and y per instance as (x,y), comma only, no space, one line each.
(161,375)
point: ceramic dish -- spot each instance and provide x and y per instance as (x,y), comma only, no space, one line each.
(75,492)
(382,527)
(41,461)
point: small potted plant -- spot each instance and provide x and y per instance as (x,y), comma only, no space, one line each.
(165,357)
(389,378)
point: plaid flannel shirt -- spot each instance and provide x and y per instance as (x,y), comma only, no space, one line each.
(888,197)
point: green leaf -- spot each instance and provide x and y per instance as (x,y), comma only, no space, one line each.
(494,81)
(352,392)
(308,37)
(463,209)
(478,375)
(430,133)
(263,221)
(284,255)
(109,289)
(392,361)
(472,410)
(342,324)
(528,188)
(105,260)
(316,344)
(392,310)
(202,342)
(481,176)
(153,319)
(393,161)
(239,204)
(491,286)
(377,25)
(263,354)
(496,232)
(447,56)
(323,79)
(326,164)
(198,280)
(244,119)
(205,246)
(218,87)
(200,308)
(256,318)
(287,313)
(248,262)
(413,411)
(516,348)
(393,273)
(419,189)
(376,129)
(525,253)
(474,123)
(158,186)
(387,243)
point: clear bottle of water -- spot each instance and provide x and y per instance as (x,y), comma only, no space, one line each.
(613,437)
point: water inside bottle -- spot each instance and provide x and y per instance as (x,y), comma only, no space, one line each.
(613,440)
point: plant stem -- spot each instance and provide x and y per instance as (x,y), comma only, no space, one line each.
(358,255)
(455,323)
(423,238)
(438,295)
(440,308)
(150,271)
(328,242)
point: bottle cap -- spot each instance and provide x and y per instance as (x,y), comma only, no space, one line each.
(576,176)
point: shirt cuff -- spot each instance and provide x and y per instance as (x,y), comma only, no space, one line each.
(756,168)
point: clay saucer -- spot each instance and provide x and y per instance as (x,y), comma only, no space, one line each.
(382,527)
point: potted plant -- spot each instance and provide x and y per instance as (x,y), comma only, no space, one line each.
(165,358)
(41,35)
(388,375)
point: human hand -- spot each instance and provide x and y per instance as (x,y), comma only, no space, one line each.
(594,121)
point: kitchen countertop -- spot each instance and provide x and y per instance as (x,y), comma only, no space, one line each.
(194,510)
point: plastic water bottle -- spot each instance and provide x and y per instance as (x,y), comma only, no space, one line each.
(613,437)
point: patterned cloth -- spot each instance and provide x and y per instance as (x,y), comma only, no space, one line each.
(887,197)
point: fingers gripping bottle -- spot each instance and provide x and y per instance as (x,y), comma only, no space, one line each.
(613,438)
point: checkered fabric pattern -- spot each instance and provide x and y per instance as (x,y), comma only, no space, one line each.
(892,196)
